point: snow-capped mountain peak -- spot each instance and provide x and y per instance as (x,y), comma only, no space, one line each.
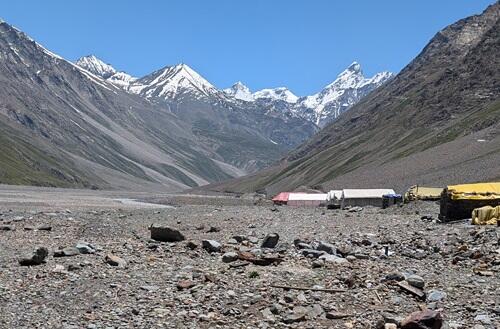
(171,81)
(239,91)
(96,66)
(99,68)
(281,93)
(337,97)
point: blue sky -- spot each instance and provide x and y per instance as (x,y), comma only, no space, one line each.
(264,43)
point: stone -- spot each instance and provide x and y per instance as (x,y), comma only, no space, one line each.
(298,314)
(303,245)
(326,247)
(253,240)
(85,248)
(423,320)
(390,326)
(270,241)
(334,259)
(312,253)
(149,288)
(239,238)
(483,318)
(191,245)
(395,276)
(336,315)
(165,234)
(211,245)
(229,257)
(268,315)
(317,263)
(66,252)
(114,260)
(315,311)
(213,229)
(416,281)
(435,296)
(232,241)
(37,257)
(185,284)
(7,228)
(44,228)
(355,209)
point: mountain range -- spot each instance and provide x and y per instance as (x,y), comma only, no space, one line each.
(437,122)
(321,108)
(85,124)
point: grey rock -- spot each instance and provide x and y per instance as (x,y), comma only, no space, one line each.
(165,234)
(114,260)
(315,311)
(150,288)
(303,245)
(416,281)
(211,245)
(229,257)
(44,228)
(298,314)
(326,247)
(435,296)
(191,245)
(239,238)
(7,228)
(253,240)
(483,318)
(270,241)
(85,248)
(334,259)
(37,257)
(67,252)
(312,253)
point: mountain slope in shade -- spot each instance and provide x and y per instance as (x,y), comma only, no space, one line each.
(436,123)
(64,126)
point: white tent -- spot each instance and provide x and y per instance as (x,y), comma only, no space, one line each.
(307,196)
(364,197)
(366,193)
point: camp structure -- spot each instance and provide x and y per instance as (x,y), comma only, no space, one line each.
(423,193)
(307,199)
(458,201)
(281,198)
(300,199)
(333,199)
(486,215)
(364,197)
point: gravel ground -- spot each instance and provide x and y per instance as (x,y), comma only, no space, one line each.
(182,285)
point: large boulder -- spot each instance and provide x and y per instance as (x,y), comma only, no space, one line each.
(165,234)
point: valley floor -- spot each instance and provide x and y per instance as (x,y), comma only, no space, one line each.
(181,285)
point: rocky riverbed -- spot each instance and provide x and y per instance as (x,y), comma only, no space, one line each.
(246,266)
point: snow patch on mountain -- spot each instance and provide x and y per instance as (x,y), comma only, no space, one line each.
(281,93)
